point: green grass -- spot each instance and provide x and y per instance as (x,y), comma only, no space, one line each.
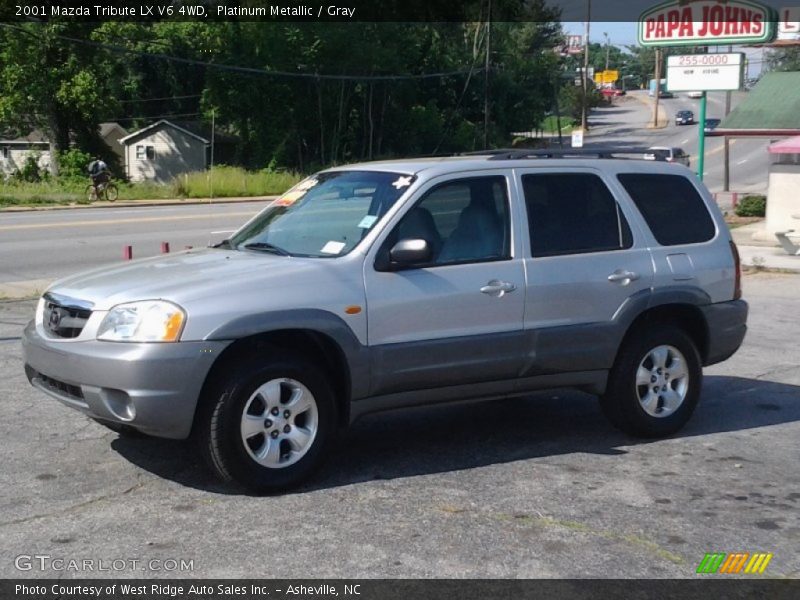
(550,125)
(229,182)
(222,181)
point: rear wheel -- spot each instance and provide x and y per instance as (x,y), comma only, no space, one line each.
(90,193)
(655,383)
(268,425)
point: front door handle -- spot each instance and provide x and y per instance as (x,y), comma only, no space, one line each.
(498,288)
(623,277)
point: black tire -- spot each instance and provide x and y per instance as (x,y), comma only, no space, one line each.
(111,192)
(218,430)
(621,402)
(90,193)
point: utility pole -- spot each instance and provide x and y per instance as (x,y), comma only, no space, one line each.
(585,78)
(657,91)
(726,181)
(211,169)
(608,48)
(486,77)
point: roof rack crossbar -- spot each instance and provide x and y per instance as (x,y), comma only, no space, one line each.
(597,152)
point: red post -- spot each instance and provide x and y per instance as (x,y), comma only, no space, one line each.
(127,252)
(735,199)
(164,247)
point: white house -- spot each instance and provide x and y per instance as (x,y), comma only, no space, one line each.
(163,150)
(15,151)
(111,133)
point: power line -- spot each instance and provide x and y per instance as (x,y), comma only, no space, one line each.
(251,70)
(159,99)
(194,114)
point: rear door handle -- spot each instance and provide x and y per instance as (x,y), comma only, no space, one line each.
(623,277)
(498,288)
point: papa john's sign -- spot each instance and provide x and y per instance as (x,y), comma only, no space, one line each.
(706,23)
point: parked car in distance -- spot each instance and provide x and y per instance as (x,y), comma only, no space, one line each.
(695,94)
(665,94)
(403,283)
(711,124)
(684,117)
(610,92)
(670,154)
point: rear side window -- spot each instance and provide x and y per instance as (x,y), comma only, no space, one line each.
(573,213)
(671,206)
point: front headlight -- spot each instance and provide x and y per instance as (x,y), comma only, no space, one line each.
(147,321)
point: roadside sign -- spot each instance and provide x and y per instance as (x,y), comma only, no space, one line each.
(577,138)
(705,72)
(604,77)
(706,23)
(574,44)
(789,23)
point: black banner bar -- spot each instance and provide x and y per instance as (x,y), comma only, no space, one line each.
(705,587)
(336,10)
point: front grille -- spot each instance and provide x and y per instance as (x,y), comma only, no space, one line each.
(65,317)
(64,389)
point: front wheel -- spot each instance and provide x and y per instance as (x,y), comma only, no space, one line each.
(111,192)
(655,383)
(268,425)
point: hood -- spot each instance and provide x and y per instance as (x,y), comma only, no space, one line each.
(181,277)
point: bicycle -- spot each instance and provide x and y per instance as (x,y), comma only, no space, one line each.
(105,190)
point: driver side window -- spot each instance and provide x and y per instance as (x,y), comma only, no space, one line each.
(462,221)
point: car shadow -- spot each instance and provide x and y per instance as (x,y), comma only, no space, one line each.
(428,440)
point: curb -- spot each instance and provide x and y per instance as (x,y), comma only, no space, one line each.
(138,203)
(23,290)
(662,115)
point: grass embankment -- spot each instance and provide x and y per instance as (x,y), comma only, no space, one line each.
(222,182)
(230,182)
(550,125)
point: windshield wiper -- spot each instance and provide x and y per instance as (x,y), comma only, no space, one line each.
(267,247)
(224,244)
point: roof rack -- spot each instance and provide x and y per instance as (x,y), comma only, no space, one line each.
(597,152)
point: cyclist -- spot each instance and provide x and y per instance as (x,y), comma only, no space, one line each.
(98,171)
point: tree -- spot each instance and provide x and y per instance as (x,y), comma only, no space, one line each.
(51,84)
(784,59)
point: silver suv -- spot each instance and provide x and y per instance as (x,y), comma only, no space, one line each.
(393,284)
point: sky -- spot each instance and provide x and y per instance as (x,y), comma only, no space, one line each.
(621,33)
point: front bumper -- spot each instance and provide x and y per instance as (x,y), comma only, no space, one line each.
(151,387)
(727,326)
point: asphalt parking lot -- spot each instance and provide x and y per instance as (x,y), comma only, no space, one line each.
(538,487)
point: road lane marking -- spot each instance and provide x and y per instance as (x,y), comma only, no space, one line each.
(121,221)
(719,149)
(685,141)
(741,162)
(223,231)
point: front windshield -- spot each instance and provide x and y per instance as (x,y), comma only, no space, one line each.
(325,215)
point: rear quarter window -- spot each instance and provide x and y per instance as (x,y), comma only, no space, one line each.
(671,207)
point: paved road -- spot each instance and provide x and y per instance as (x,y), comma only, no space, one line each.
(626,124)
(538,487)
(52,244)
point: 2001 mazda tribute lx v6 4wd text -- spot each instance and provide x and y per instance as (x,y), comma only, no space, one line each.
(400,283)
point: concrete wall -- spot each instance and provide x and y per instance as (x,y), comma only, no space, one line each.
(783,201)
(13,157)
(175,153)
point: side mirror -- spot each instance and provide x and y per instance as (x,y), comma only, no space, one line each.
(406,253)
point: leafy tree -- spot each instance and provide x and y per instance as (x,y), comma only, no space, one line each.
(51,84)
(784,59)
